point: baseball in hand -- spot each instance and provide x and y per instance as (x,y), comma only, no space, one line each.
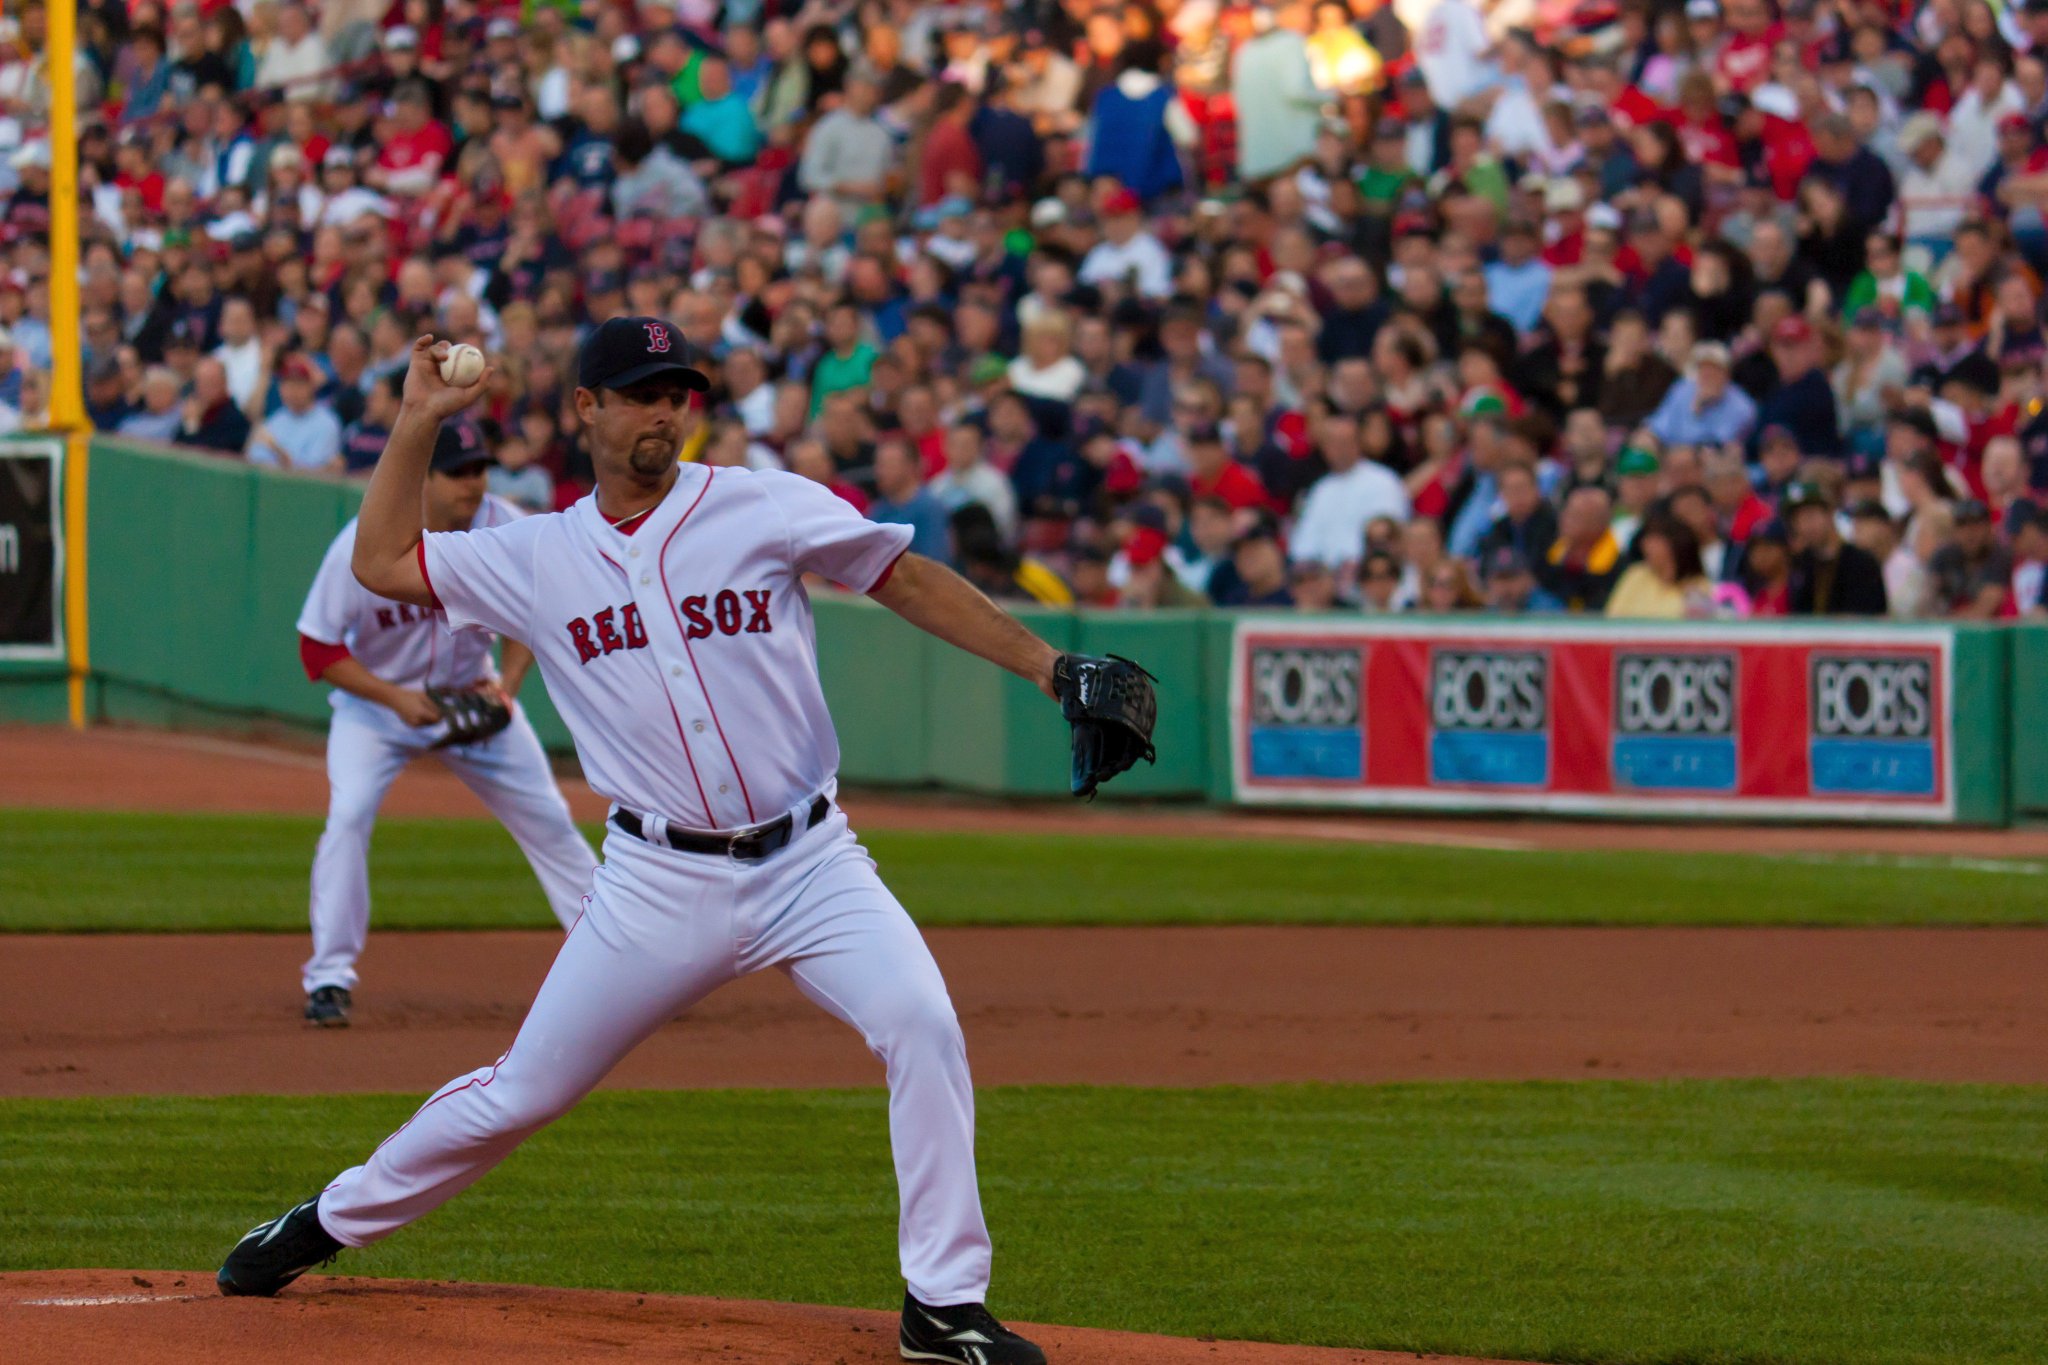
(463,366)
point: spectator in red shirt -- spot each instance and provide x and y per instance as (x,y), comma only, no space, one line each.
(950,165)
(1745,57)
(1216,475)
(1736,503)
(135,171)
(1701,131)
(411,161)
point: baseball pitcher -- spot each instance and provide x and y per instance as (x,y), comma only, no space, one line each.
(669,615)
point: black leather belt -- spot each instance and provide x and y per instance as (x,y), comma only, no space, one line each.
(754,844)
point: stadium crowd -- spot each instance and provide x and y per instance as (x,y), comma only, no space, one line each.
(1662,310)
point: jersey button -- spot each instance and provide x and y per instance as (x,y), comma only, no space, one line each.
(723,789)
(675,670)
(646,578)
(633,553)
(700,727)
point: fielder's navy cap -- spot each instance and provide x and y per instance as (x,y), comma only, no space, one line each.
(459,446)
(626,351)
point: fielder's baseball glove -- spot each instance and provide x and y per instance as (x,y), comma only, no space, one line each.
(1109,703)
(471,717)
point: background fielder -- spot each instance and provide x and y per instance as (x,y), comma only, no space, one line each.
(381,656)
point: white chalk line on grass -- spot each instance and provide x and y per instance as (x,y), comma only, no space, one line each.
(1340,831)
(102,1300)
(1932,862)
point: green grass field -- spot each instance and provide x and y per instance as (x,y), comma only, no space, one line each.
(90,871)
(1681,1223)
(1696,1222)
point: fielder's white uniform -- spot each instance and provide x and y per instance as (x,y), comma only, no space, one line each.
(682,657)
(367,745)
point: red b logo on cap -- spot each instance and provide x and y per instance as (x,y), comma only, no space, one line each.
(657,337)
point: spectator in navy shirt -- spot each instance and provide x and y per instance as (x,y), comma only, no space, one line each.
(1260,572)
(363,442)
(587,159)
(106,394)
(1664,279)
(1859,173)
(1804,401)
(211,418)
(1010,148)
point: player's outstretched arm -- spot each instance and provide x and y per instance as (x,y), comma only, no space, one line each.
(389,526)
(933,598)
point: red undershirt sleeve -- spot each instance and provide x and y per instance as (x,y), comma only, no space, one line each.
(420,551)
(886,573)
(317,656)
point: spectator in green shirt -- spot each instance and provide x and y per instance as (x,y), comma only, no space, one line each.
(847,363)
(1388,173)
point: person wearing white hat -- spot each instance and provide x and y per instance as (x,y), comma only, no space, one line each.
(1705,408)
(288,181)
(1937,188)
(296,58)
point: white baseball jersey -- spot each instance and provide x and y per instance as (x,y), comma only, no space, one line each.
(681,656)
(412,647)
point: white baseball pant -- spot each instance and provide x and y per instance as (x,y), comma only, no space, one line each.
(367,746)
(661,930)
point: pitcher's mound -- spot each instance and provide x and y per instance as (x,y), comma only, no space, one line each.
(177,1316)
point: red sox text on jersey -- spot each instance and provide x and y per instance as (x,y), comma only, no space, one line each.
(748,611)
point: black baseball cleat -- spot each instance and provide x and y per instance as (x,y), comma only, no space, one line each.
(277,1252)
(964,1334)
(328,1007)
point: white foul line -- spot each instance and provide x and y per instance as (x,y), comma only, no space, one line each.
(108,1299)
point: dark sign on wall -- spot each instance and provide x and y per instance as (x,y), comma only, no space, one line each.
(31,551)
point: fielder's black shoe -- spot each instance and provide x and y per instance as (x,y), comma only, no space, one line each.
(277,1252)
(964,1335)
(328,1007)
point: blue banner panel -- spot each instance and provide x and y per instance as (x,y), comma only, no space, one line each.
(1490,758)
(1671,763)
(1334,753)
(1874,767)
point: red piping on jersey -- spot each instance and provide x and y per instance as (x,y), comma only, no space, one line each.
(710,819)
(472,1082)
(710,816)
(420,553)
(887,572)
(677,615)
(317,656)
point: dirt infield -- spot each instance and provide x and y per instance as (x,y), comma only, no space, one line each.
(146,770)
(177,1318)
(218,1014)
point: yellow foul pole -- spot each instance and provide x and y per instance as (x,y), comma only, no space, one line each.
(67,378)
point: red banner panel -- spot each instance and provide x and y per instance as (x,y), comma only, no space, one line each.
(1595,718)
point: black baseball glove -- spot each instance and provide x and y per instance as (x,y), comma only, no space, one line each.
(1109,703)
(472,717)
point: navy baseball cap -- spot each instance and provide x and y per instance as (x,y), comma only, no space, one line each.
(459,446)
(626,351)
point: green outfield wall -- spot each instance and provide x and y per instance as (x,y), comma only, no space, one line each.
(197,567)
